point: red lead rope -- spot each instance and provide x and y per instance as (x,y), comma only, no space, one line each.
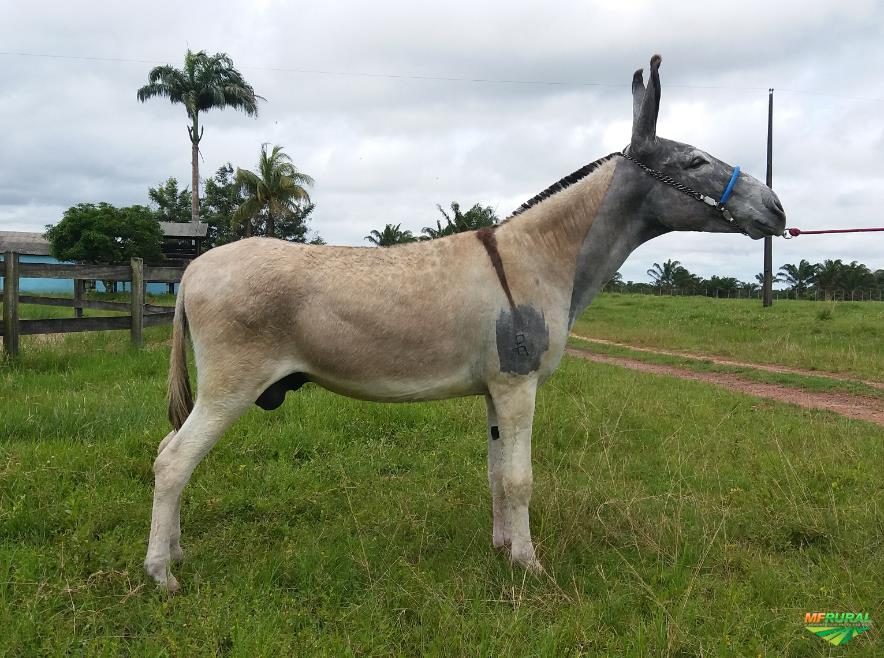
(795,232)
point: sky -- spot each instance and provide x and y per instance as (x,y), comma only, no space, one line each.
(394,107)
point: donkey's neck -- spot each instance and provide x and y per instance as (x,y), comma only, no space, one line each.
(619,228)
(579,237)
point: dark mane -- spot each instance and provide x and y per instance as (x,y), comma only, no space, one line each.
(567,181)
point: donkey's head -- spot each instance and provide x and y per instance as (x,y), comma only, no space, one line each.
(691,186)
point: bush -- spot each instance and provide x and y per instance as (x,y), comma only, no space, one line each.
(824,314)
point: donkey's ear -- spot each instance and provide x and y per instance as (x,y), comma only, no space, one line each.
(638,94)
(644,120)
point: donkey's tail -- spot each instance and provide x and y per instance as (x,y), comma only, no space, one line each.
(180,394)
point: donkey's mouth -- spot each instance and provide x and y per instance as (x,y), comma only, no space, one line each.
(759,229)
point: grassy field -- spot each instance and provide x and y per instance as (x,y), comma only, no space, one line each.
(800,381)
(673,519)
(843,337)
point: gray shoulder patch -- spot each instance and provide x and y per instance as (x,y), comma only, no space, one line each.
(522,338)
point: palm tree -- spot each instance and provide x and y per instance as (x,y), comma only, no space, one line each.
(664,275)
(683,279)
(828,276)
(276,191)
(203,84)
(615,283)
(799,277)
(856,277)
(389,236)
(457,222)
(774,278)
(716,285)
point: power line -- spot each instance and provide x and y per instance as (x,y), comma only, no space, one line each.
(434,78)
(359,74)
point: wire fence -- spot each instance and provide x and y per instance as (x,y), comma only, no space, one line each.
(819,295)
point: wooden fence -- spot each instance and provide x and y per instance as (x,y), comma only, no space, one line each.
(140,314)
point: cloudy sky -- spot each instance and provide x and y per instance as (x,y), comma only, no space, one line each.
(394,107)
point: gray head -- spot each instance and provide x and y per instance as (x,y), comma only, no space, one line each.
(755,208)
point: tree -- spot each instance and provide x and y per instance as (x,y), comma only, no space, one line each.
(683,279)
(274,192)
(223,198)
(664,275)
(389,236)
(171,205)
(856,277)
(827,276)
(292,226)
(716,285)
(615,283)
(203,84)
(103,234)
(799,277)
(457,222)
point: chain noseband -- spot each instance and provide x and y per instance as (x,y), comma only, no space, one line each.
(681,187)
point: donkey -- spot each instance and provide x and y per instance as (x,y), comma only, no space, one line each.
(267,316)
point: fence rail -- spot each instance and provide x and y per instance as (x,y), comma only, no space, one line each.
(141,315)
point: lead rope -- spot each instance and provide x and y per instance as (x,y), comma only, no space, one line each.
(795,232)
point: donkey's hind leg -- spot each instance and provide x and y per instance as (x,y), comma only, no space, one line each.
(173,468)
(175,550)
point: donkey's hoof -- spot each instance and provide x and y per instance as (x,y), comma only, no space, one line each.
(534,567)
(531,566)
(159,572)
(171,585)
(525,558)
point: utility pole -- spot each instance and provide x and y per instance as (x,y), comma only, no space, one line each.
(768,241)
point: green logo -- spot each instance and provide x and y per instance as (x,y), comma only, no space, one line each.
(837,627)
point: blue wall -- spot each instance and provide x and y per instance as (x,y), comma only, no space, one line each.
(67,285)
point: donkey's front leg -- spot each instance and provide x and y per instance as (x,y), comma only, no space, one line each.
(500,535)
(514,404)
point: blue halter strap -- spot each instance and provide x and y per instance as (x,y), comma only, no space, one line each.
(730,186)
(705,198)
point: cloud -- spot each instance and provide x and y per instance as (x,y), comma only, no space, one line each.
(350,97)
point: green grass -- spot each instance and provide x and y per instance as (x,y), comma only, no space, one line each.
(804,382)
(41,312)
(847,339)
(673,519)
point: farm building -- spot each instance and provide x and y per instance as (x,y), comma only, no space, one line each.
(181,242)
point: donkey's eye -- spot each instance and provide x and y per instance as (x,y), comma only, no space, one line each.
(698,161)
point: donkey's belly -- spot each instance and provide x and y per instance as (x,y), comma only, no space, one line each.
(401,389)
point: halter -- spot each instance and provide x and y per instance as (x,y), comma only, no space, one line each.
(681,187)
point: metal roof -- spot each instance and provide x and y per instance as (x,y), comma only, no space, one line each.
(184,229)
(31,244)
(34,244)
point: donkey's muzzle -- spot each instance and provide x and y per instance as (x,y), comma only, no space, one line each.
(772,203)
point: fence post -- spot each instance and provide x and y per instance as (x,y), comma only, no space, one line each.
(137,302)
(10,304)
(79,290)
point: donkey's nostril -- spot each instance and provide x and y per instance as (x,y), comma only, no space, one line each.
(772,201)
